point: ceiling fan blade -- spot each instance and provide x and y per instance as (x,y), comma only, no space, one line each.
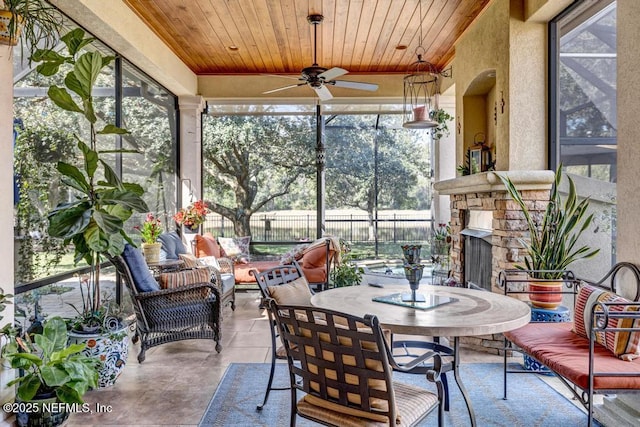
(354,85)
(283,88)
(281,75)
(332,73)
(323,93)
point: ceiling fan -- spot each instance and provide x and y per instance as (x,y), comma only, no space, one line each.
(317,77)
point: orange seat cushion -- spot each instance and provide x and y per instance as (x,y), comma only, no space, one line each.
(566,353)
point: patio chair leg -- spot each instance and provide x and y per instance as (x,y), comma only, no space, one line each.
(271,374)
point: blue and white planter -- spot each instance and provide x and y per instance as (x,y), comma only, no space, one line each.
(111,348)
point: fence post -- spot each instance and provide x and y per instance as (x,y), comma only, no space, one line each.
(395,230)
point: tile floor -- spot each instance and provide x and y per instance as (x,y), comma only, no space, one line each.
(175,383)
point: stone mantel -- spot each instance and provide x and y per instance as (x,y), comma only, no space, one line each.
(486,182)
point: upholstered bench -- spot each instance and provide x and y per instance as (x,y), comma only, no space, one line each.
(599,351)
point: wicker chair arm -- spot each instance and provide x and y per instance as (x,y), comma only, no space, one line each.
(226,265)
(181,291)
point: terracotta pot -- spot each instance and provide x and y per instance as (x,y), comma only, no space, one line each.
(545,300)
(5,38)
(151,252)
(420,114)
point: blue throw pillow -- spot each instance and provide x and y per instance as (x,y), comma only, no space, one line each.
(142,278)
(172,245)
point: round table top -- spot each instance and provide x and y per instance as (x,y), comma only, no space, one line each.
(473,313)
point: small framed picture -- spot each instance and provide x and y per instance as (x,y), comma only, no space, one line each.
(475,160)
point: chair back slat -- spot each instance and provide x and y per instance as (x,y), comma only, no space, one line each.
(279,275)
(340,358)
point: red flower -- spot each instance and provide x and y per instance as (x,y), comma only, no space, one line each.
(91,343)
(193,215)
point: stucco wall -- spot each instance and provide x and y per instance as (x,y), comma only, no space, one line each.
(501,40)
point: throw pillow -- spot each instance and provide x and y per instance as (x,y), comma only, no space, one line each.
(142,278)
(206,245)
(209,261)
(172,245)
(184,277)
(624,344)
(295,292)
(190,260)
(236,248)
(315,257)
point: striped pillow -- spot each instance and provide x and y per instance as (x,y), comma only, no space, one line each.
(625,345)
(184,277)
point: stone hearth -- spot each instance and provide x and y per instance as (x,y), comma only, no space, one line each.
(485,192)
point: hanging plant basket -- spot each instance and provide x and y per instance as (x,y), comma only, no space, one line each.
(5,35)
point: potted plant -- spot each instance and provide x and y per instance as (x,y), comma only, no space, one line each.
(150,231)
(51,371)
(553,240)
(192,216)
(94,220)
(345,271)
(36,22)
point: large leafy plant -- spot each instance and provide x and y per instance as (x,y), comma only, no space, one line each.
(94,221)
(553,241)
(50,365)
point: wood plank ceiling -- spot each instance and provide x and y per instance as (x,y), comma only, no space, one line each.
(273,36)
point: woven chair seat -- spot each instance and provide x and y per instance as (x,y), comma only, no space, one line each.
(412,402)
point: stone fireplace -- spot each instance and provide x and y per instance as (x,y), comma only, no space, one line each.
(484,195)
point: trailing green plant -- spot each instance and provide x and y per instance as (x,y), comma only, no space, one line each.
(4,301)
(441,117)
(552,243)
(35,22)
(50,365)
(94,221)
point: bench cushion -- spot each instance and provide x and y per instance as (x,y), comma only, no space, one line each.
(243,274)
(566,353)
(622,343)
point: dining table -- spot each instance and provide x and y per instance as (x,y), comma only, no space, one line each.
(446,311)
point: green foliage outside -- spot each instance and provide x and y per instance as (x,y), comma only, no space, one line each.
(256,163)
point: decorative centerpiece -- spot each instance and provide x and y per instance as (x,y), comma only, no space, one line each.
(192,216)
(150,231)
(413,272)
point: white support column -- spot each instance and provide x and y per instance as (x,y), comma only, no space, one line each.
(444,166)
(191,108)
(191,182)
(6,200)
(625,409)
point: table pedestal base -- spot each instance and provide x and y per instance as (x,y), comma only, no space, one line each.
(413,297)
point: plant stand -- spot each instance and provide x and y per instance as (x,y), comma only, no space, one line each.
(559,314)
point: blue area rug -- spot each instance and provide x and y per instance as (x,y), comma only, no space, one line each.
(531,401)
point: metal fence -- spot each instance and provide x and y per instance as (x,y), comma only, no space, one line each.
(354,228)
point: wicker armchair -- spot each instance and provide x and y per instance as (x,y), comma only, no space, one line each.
(344,365)
(167,315)
(277,276)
